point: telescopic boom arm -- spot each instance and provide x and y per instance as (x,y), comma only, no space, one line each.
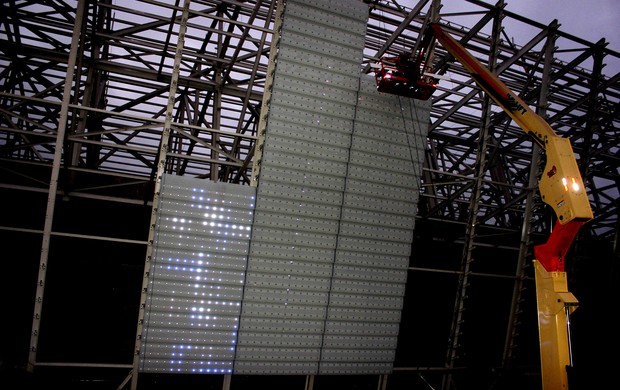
(561,185)
(562,188)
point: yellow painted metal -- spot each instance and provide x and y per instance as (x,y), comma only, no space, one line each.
(553,299)
(561,185)
(532,123)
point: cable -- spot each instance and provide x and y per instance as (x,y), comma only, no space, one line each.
(413,112)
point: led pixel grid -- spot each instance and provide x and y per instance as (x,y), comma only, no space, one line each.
(197,276)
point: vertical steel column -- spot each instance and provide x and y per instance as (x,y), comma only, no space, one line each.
(472,218)
(226,382)
(217,121)
(73,152)
(246,99)
(524,252)
(53,187)
(161,165)
(94,93)
(383,379)
(592,118)
(264,111)
(525,245)
(217,102)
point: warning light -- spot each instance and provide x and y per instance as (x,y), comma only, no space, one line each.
(574,184)
(562,187)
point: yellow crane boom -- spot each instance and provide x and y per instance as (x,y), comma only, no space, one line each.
(562,188)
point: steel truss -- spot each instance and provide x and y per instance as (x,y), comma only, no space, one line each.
(101,82)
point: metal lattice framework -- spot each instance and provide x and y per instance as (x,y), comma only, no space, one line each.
(85,98)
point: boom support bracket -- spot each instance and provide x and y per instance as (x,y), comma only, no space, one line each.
(555,304)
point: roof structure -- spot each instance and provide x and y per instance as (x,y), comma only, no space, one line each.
(85,104)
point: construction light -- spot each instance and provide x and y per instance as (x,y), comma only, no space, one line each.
(575,184)
(561,186)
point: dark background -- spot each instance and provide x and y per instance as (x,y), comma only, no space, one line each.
(93,286)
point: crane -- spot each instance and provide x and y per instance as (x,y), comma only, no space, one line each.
(561,187)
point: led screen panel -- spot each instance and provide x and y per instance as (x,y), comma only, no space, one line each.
(301,185)
(197,276)
(375,233)
(306,273)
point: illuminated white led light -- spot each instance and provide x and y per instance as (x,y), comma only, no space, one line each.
(184,276)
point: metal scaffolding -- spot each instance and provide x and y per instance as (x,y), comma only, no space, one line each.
(87,112)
